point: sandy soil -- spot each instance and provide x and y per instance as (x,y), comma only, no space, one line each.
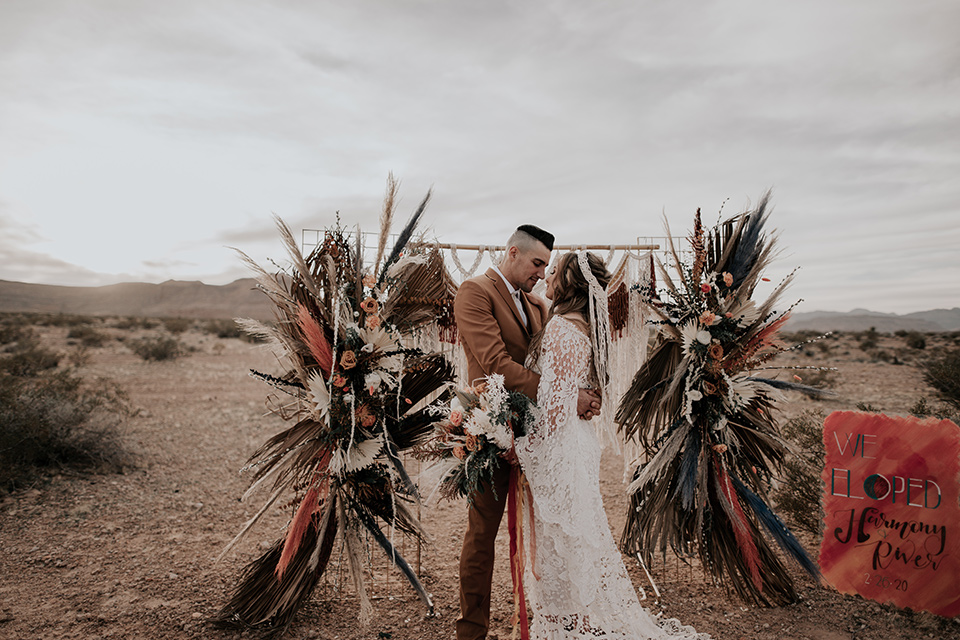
(133,555)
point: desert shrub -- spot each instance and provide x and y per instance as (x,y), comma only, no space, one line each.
(27,358)
(228,329)
(867,344)
(13,331)
(941,411)
(821,379)
(177,325)
(942,372)
(223,328)
(916,340)
(158,348)
(880,356)
(799,336)
(867,407)
(55,420)
(62,320)
(134,322)
(798,495)
(88,336)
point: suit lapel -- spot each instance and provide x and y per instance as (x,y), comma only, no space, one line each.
(507,298)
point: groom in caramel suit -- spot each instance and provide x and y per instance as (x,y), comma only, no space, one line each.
(496,317)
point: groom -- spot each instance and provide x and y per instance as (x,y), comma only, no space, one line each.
(496,316)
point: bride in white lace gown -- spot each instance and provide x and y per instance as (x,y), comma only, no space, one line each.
(575,579)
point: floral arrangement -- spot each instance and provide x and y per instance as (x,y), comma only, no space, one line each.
(358,390)
(476,428)
(707,420)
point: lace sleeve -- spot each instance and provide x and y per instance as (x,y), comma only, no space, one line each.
(564,363)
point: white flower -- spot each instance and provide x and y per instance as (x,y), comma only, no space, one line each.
(372,382)
(745,313)
(704,337)
(378,339)
(359,456)
(688,334)
(319,395)
(694,395)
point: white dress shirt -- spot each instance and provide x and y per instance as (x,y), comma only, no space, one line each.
(516,297)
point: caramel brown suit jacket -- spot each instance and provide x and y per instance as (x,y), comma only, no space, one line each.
(492,332)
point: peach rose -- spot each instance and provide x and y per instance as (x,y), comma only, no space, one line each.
(456,418)
(472,443)
(727,278)
(373,322)
(708,318)
(369,280)
(348,360)
(460,453)
(720,448)
(709,388)
(370,305)
(339,381)
(715,351)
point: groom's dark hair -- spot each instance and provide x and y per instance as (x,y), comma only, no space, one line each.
(545,237)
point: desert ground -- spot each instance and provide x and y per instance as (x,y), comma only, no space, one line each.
(134,554)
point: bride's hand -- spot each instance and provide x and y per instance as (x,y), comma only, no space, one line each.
(589,402)
(511,456)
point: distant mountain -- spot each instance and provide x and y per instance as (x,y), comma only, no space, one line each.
(171,299)
(935,320)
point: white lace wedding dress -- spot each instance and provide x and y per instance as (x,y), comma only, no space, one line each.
(575,579)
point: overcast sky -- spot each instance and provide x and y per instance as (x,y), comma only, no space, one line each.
(139,139)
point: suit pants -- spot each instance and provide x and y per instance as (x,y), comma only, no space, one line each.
(476,557)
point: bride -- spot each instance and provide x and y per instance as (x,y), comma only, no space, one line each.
(575,578)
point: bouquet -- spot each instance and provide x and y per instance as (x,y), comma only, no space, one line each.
(706,418)
(476,429)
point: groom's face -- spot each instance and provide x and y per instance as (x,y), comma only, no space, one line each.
(530,266)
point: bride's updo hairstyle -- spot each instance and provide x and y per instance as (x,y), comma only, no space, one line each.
(571,291)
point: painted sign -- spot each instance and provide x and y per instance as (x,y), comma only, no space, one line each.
(892,510)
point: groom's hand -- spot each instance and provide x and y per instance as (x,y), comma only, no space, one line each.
(588,403)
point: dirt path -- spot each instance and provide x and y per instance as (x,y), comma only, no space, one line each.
(133,555)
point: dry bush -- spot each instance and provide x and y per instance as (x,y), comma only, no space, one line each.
(228,329)
(88,336)
(799,492)
(942,372)
(177,325)
(158,348)
(27,358)
(131,323)
(50,419)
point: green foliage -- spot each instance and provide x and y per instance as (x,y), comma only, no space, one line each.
(799,492)
(942,372)
(157,348)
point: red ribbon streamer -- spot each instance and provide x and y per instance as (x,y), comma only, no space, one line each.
(516,551)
